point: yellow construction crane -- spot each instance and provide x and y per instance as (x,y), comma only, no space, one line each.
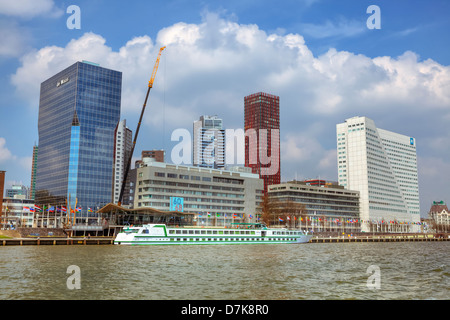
(150,85)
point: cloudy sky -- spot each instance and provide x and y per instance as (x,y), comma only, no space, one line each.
(319,56)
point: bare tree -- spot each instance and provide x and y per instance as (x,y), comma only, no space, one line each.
(288,211)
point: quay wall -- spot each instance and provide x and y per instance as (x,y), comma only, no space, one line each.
(23,241)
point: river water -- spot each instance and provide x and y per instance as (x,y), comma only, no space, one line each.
(363,271)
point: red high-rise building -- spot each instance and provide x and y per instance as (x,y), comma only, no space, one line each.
(262,111)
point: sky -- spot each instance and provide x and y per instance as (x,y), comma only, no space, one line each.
(319,56)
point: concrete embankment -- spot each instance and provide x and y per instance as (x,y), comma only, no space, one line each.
(23,241)
(383,238)
(55,241)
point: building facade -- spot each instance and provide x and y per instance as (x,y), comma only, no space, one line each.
(382,166)
(262,142)
(122,151)
(18,190)
(158,155)
(2,191)
(209,143)
(33,172)
(79,110)
(439,216)
(216,197)
(18,211)
(329,207)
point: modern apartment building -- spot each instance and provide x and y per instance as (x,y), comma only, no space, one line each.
(216,197)
(2,190)
(79,110)
(209,143)
(33,172)
(262,142)
(382,166)
(122,151)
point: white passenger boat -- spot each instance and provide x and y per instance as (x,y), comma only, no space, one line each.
(239,233)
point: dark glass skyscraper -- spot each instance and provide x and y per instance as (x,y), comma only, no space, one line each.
(79,110)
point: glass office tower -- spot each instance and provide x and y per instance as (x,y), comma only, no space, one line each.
(79,110)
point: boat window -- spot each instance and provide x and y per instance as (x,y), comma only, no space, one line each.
(226,232)
(146,231)
(231,232)
(171,231)
(185,232)
(178,231)
(220,232)
(197,231)
(215,232)
(191,231)
(203,232)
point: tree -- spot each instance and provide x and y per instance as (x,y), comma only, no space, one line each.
(272,210)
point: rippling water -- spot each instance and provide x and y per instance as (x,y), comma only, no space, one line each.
(407,270)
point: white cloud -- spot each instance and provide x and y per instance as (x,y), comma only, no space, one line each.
(14,38)
(29,8)
(341,28)
(5,154)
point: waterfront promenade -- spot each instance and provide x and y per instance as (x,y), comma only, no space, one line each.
(37,241)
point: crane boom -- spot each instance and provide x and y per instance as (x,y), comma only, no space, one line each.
(155,68)
(150,85)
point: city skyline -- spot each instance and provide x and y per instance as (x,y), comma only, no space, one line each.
(318,56)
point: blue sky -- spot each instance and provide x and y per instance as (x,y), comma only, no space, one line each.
(317,55)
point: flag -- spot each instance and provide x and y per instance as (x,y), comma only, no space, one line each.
(26,208)
(89,210)
(38,208)
(279,219)
(289,218)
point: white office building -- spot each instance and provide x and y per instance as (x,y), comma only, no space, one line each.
(215,197)
(209,143)
(382,166)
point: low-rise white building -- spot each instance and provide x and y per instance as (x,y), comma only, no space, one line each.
(216,197)
(18,211)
